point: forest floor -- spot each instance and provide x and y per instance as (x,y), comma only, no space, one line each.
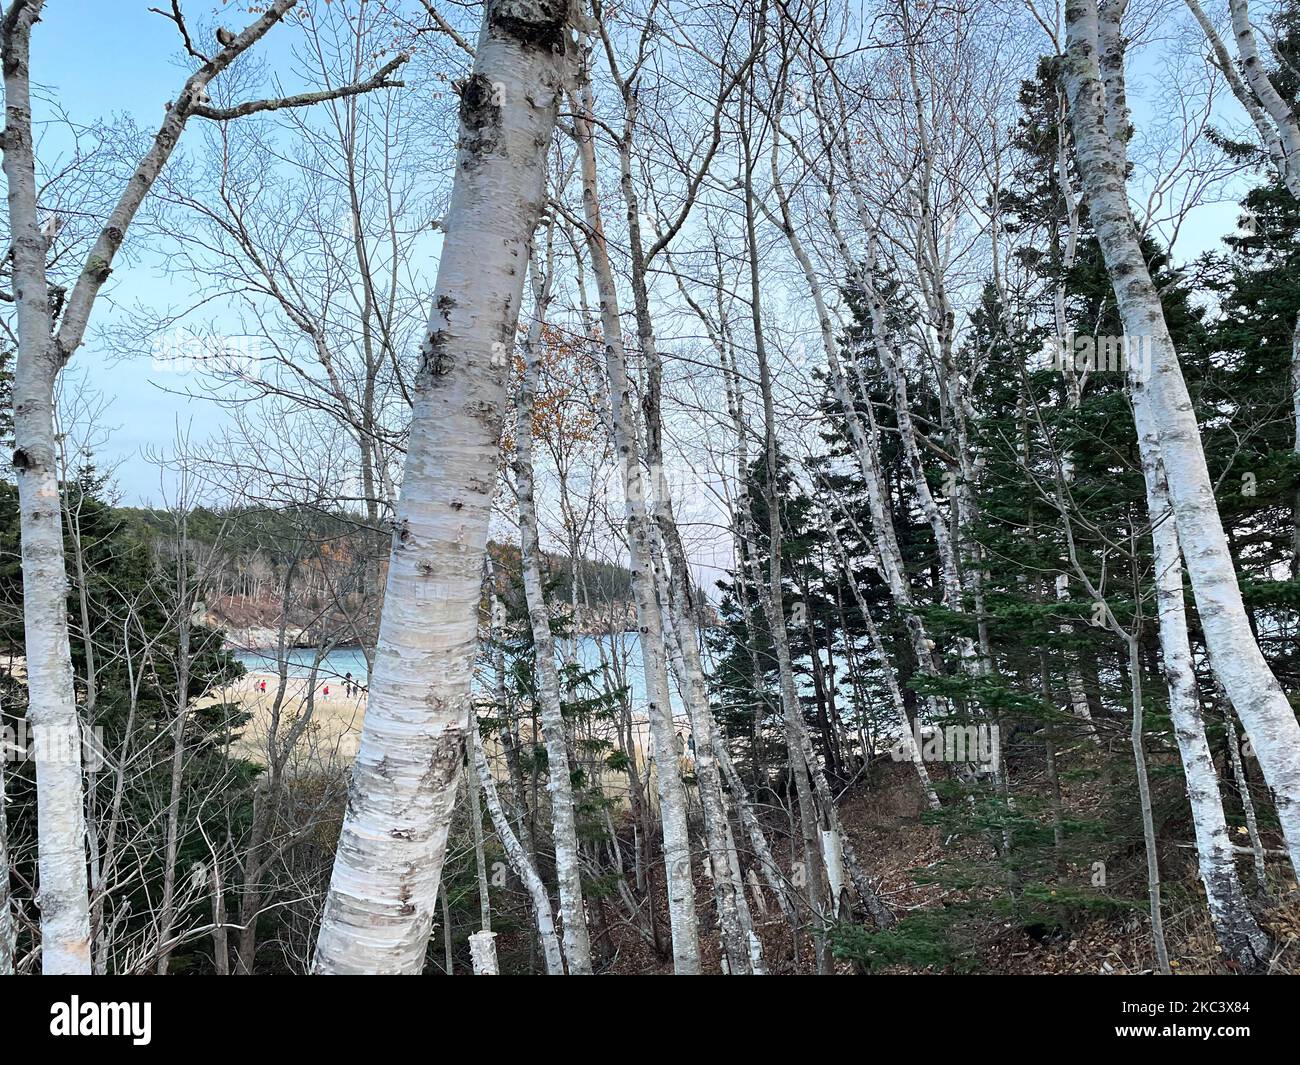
(903,852)
(910,862)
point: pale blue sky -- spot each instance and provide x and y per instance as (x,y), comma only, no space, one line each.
(111,58)
(104,59)
(101,58)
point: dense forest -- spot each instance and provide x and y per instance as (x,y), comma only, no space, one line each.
(748,488)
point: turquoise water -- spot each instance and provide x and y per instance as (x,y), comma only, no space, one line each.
(344,660)
(334,666)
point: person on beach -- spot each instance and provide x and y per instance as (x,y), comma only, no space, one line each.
(327,693)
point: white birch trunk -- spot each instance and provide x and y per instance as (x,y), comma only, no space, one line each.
(483,953)
(559,782)
(1264,126)
(509,732)
(1259,83)
(797,738)
(1238,933)
(728,889)
(1073,390)
(380,907)
(520,861)
(833,856)
(672,794)
(42,353)
(756,886)
(63,893)
(1259,700)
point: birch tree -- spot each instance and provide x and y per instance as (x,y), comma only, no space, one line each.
(559,782)
(1099,121)
(1238,932)
(51,326)
(380,906)
(672,796)
(1278,128)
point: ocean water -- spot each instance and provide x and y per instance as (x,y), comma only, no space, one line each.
(341,661)
(335,665)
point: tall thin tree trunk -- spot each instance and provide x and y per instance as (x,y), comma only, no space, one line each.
(448,958)
(52,705)
(510,741)
(676,593)
(520,860)
(728,888)
(171,846)
(380,906)
(559,782)
(672,794)
(1100,126)
(1247,803)
(1236,928)
(220,929)
(480,859)
(1144,808)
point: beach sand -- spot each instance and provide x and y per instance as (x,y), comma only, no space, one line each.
(331,736)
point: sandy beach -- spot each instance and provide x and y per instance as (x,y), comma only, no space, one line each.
(331,736)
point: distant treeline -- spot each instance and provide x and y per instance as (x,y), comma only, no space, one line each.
(258,543)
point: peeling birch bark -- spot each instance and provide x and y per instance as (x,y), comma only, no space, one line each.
(483,953)
(380,907)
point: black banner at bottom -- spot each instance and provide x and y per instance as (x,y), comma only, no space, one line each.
(144,1016)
